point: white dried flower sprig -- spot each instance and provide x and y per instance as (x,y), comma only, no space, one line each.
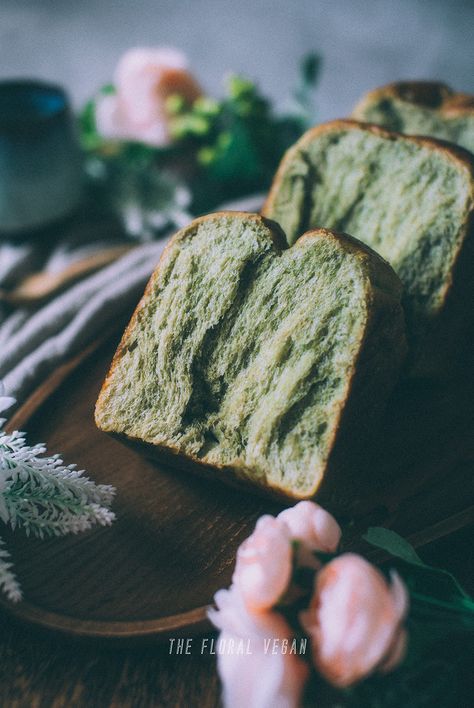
(8,582)
(43,496)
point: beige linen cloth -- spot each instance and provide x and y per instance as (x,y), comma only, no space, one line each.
(33,342)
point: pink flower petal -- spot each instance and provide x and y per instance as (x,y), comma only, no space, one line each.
(264,564)
(399,595)
(108,120)
(313,526)
(396,653)
(353,619)
(267,676)
(144,79)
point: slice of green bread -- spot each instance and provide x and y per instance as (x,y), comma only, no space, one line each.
(421,108)
(411,199)
(249,359)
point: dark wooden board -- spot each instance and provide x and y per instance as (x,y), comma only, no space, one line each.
(153,572)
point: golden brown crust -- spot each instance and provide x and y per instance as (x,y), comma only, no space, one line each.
(462,158)
(351,244)
(172,457)
(374,372)
(378,300)
(428,94)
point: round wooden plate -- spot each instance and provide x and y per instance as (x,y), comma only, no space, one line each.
(154,571)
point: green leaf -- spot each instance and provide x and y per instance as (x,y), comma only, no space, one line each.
(239,87)
(310,68)
(175,104)
(206,106)
(393,543)
(303,94)
(434,586)
(87,128)
(108,90)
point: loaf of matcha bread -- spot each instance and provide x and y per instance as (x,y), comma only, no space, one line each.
(248,359)
(411,199)
(421,108)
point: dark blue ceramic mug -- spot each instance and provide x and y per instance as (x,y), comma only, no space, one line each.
(40,165)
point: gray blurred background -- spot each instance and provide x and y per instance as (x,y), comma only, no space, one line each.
(364,43)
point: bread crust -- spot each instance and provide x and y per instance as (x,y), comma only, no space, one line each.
(434,95)
(461,157)
(383,290)
(460,284)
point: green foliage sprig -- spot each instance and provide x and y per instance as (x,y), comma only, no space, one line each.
(220,149)
(238,141)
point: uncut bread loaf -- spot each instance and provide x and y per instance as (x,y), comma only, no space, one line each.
(411,199)
(248,359)
(421,108)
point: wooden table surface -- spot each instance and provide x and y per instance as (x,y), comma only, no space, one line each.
(42,671)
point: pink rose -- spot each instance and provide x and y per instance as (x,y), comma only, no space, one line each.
(313,526)
(264,564)
(253,664)
(144,79)
(354,620)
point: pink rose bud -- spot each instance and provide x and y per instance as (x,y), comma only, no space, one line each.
(256,664)
(264,564)
(313,526)
(144,79)
(354,620)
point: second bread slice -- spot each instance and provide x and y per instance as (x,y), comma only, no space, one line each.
(411,199)
(421,108)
